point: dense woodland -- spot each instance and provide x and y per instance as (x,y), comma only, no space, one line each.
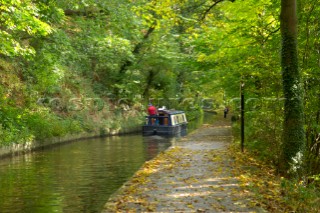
(92,65)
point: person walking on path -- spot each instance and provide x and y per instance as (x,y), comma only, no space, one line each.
(225,112)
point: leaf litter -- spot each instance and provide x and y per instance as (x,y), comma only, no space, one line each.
(197,174)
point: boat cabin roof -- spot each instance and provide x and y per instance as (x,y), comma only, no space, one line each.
(170,112)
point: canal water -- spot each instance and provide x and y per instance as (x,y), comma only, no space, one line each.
(77,176)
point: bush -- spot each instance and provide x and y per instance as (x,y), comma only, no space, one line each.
(301,197)
(23,125)
(47,125)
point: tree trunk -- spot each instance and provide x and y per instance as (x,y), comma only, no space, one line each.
(293,132)
(136,51)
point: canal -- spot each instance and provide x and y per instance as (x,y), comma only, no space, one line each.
(77,176)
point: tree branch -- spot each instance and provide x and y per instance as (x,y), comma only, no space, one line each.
(270,33)
(208,10)
(136,49)
(87,13)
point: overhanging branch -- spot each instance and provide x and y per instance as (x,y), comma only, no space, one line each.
(209,9)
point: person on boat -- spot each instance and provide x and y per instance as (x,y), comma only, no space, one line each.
(152,110)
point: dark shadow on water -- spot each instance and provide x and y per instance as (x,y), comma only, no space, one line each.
(155,144)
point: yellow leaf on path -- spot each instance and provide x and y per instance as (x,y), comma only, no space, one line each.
(190,206)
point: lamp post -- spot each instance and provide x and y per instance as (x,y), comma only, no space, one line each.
(242,114)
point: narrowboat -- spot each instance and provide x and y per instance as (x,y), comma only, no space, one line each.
(166,123)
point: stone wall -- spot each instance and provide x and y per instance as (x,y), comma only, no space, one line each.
(17,149)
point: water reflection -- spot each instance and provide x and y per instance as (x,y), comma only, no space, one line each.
(155,143)
(76,177)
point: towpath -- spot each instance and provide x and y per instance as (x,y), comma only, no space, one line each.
(194,175)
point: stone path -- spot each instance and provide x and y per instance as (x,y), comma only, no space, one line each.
(194,175)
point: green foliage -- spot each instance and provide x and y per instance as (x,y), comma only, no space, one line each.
(20,19)
(309,35)
(263,130)
(175,53)
(20,126)
(299,197)
(12,130)
(45,125)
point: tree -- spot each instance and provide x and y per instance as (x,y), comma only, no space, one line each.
(293,132)
(21,21)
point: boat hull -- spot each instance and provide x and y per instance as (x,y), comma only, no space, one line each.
(177,130)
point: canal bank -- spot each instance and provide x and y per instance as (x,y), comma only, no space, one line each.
(23,148)
(194,175)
